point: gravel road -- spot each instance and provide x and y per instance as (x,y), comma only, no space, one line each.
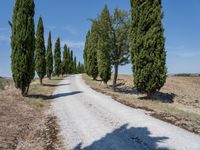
(92,121)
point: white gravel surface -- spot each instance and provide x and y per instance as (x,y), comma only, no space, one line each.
(92,121)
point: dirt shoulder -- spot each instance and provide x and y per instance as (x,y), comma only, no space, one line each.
(28,123)
(178,102)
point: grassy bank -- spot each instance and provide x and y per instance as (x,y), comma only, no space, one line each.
(176,103)
(27,122)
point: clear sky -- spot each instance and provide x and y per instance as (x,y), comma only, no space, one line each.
(68,19)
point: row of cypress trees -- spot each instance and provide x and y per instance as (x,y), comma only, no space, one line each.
(112,39)
(44,60)
(29,54)
(69,63)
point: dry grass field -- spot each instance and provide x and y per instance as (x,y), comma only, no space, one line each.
(178,102)
(27,123)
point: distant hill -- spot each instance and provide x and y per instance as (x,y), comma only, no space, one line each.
(186,75)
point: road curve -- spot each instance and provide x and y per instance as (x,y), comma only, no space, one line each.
(92,121)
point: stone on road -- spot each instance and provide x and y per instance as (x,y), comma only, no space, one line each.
(92,121)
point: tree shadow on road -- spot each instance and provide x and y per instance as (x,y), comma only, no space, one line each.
(55,85)
(51,97)
(125,138)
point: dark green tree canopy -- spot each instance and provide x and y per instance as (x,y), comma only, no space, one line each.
(148,46)
(65,60)
(23,44)
(57,58)
(105,45)
(85,52)
(71,62)
(92,48)
(49,58)
(40,61)
(74,65)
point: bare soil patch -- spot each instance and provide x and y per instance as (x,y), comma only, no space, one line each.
(27,122)
(178,102)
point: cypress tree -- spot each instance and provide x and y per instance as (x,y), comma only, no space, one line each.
(104,45)
(23,44)
(68,60)
(71,62)
(74,65)
(85,53)
(62,68)
(65,59)
(49,58)
(57,58)
(148,46)
(40,62)
(79,67)
(92,51)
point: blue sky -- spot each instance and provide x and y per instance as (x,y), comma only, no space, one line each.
(68,19)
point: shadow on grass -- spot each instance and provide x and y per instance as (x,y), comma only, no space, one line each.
(160,96)
(51,97)
(126,90)
(125,138)
(55,85)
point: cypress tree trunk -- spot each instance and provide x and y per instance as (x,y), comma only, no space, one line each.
(27,89)
(115,76)
(41,81)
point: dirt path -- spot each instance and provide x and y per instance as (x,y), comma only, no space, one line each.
(92,121)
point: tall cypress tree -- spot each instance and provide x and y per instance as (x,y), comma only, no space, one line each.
(68,60)
(57,58)
(92,51)
(104,45)
(23,44)
(74,65)
(71,62)
(65,59)
(148,46)
(85,53)
(49,58)
(40,62)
